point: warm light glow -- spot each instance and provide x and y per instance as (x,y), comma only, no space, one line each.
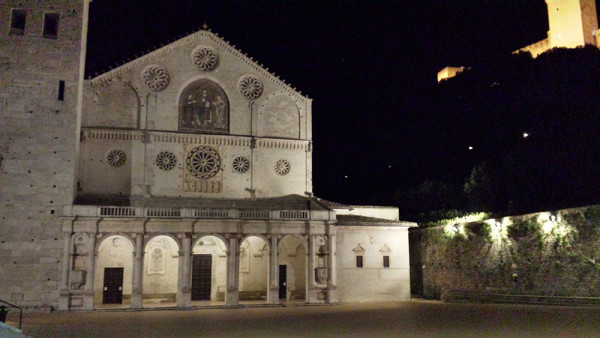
(455,226)
(499,228)
(453,230)
(552,224)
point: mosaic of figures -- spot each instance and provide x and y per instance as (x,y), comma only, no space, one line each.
(204,107)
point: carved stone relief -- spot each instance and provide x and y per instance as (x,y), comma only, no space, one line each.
(245,257)
(157,250)
(202,169)
(155,77)
(250,87)
(205,58)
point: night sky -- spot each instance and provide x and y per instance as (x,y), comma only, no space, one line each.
(369,66)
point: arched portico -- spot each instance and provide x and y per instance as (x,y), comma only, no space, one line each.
(209,269)
(292,268)
(160,271)
(113,271)
(254,258)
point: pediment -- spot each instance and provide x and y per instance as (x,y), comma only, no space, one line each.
(358,249)
(194,56)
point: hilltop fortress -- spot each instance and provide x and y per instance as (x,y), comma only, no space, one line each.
(572,24)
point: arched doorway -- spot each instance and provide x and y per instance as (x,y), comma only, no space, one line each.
(113,272)
(160,272)
(254,269)
(292,269)
(209,270)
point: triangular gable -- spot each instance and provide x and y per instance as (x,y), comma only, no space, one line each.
(193,38)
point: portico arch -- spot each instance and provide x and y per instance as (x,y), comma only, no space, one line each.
(254,268)
(209,269)
(113,272)
(160,271)
(292,268)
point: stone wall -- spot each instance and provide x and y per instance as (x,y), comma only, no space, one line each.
(554,255)
(373,281)
(39,133)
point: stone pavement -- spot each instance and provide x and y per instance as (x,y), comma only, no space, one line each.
(411,318)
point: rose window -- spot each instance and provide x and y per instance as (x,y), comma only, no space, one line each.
(116,158)
(250,87)
(282,167)
(241,164)
(205,58)
(156,78)
(203,162)
(166,160)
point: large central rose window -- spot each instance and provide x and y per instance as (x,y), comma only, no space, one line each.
(203,162)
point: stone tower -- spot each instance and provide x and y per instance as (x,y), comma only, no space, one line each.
(42,57)
(572,23)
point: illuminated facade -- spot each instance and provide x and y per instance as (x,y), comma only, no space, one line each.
(572,23)
(182,178)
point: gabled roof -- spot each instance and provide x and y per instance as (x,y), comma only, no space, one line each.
(102,79)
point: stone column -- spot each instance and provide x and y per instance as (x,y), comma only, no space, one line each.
(332,296)
(64,299)
(273,293)
(137,291)
(233,272)
(184,291)
(88,298)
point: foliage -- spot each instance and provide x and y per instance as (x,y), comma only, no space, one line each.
(554,98)
(478,188)
(522,229)
(479,230)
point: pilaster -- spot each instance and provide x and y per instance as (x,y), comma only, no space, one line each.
(233,272)
(184,291)
(136,280)
(273,292)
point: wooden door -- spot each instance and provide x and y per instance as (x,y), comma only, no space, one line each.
(113,286)
(201,277)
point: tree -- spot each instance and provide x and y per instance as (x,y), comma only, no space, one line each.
(478,189)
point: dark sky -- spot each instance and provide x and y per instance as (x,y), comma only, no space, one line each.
(369,67)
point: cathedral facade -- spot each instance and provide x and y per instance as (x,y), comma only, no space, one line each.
(182,178)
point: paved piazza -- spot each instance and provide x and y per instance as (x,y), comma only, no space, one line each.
(412,318)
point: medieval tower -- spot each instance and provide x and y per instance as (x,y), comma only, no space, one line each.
(42,55)
(571,24)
